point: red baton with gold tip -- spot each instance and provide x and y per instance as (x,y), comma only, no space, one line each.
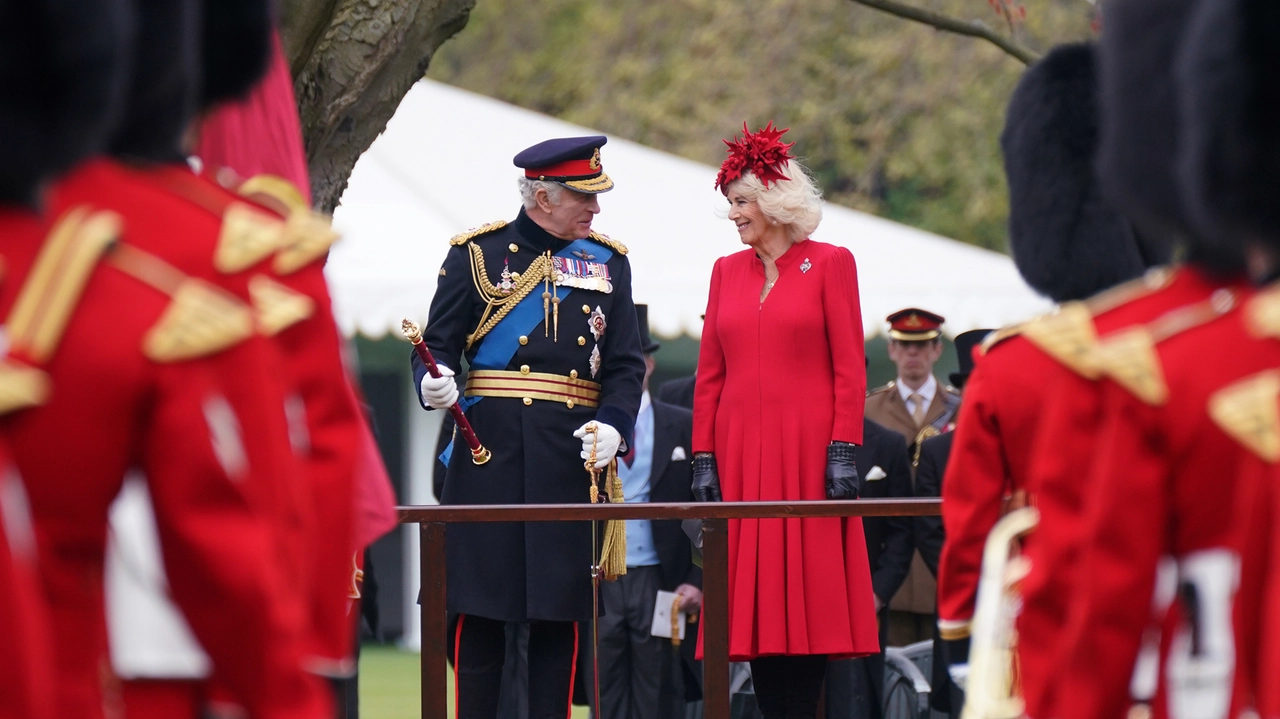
(479,455)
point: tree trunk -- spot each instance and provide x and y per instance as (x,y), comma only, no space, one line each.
(353,61)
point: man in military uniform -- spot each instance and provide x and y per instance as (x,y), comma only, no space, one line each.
(916,406)
(541,310)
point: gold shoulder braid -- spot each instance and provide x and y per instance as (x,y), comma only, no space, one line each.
(1000,335)
(928,432)
(465,237)
(1067,335)
(1154,279)
(1262,313)
(539,271)
(1129,357)
(609,242)
(1247,411)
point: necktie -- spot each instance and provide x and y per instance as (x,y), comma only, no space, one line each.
(917,415)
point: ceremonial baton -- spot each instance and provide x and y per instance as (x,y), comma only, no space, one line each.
(479,455)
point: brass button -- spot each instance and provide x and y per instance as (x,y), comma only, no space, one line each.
(582,341)
(586,309)
(524,369)
(528,401)
(515,276)
(569,403)
(573,374)
(524,339)
(513,247)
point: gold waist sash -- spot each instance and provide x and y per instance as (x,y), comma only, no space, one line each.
(533,385)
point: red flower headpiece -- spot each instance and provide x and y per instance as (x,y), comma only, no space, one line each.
(763,153)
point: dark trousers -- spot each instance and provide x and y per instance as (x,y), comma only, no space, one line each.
(855,687)
(479,648)
(788,687)
(639,673)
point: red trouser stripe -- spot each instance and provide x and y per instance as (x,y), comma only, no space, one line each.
(573,671)
(457,651)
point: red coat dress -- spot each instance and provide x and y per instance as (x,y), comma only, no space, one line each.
(777,382)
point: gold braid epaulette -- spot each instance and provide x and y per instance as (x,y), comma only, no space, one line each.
(538,272)
(1000,335)
(465,237)
(608,242)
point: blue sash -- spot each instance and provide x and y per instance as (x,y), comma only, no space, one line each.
(499,345)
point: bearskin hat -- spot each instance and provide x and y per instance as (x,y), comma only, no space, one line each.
(1066,240)
(62,69)
(161,100)
(237,47)
(1230,161)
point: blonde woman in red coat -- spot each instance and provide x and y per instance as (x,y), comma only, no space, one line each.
(777,412)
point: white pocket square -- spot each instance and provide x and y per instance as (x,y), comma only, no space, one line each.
(876,473)
(678,455)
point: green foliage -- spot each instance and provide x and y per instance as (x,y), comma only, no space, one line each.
(894,117)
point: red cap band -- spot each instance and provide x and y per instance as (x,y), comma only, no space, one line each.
(572,169)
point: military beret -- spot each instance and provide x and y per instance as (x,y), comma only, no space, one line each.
(573,162)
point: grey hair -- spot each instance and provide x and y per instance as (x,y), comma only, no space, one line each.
(529,191)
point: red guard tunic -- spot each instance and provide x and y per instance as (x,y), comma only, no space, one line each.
(126,346)
(26,657)
(1070,414)
(796,586)
(1163,549)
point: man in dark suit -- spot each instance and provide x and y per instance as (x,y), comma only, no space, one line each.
(678,391)
(643,676)
(855,687)
(929,535)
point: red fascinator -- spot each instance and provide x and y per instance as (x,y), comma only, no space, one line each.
(763,154)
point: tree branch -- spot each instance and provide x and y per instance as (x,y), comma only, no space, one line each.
(973,28)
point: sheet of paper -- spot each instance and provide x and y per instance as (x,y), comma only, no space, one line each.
(662,616)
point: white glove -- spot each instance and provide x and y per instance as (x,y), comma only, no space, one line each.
(606,441)
(439,392)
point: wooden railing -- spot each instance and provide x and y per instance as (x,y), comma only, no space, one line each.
(715,517)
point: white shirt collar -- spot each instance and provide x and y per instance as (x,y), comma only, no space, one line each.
(927,391)
(645,401)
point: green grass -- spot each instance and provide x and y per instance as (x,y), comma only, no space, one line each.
(389,685)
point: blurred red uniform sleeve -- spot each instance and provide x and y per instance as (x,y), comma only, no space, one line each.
(710,379)
(844,335)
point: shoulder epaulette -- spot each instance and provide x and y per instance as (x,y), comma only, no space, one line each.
(201,319)
(57,279)
(465,237)
(1262,313)
(1000,335)
(276,188)
(1153,280)
(21,386)
(609,242)
(308,236)
(248,236)
(1067,334)
(1248,412)
(881,388)
(278,307)
(1129,357)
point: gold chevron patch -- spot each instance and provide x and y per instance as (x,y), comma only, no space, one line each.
(1129,357)
(276,188)
(277,306)
(1249,411)
(465,237)
(22,387)
(249,235)
(1067,335)
(309,235)
(609,242)
(200,321)
(57,280)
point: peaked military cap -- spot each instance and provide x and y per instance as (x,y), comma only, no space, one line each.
(573,162)
(914,325)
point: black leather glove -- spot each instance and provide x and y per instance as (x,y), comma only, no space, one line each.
(706,480)
(842,472)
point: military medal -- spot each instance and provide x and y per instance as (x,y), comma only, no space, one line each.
(806,265)
(597,323)
(595,361)
(582,273)
(506,285)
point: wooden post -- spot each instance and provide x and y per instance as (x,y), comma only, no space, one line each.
(715,615)
(435,692)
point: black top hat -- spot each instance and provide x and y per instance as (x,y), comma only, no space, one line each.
(965,342)
(647,345)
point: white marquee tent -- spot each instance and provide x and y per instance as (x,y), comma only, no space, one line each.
(444,165)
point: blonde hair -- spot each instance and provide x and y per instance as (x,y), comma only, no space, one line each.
(795,202)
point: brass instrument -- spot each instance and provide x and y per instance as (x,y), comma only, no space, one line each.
(991,690)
